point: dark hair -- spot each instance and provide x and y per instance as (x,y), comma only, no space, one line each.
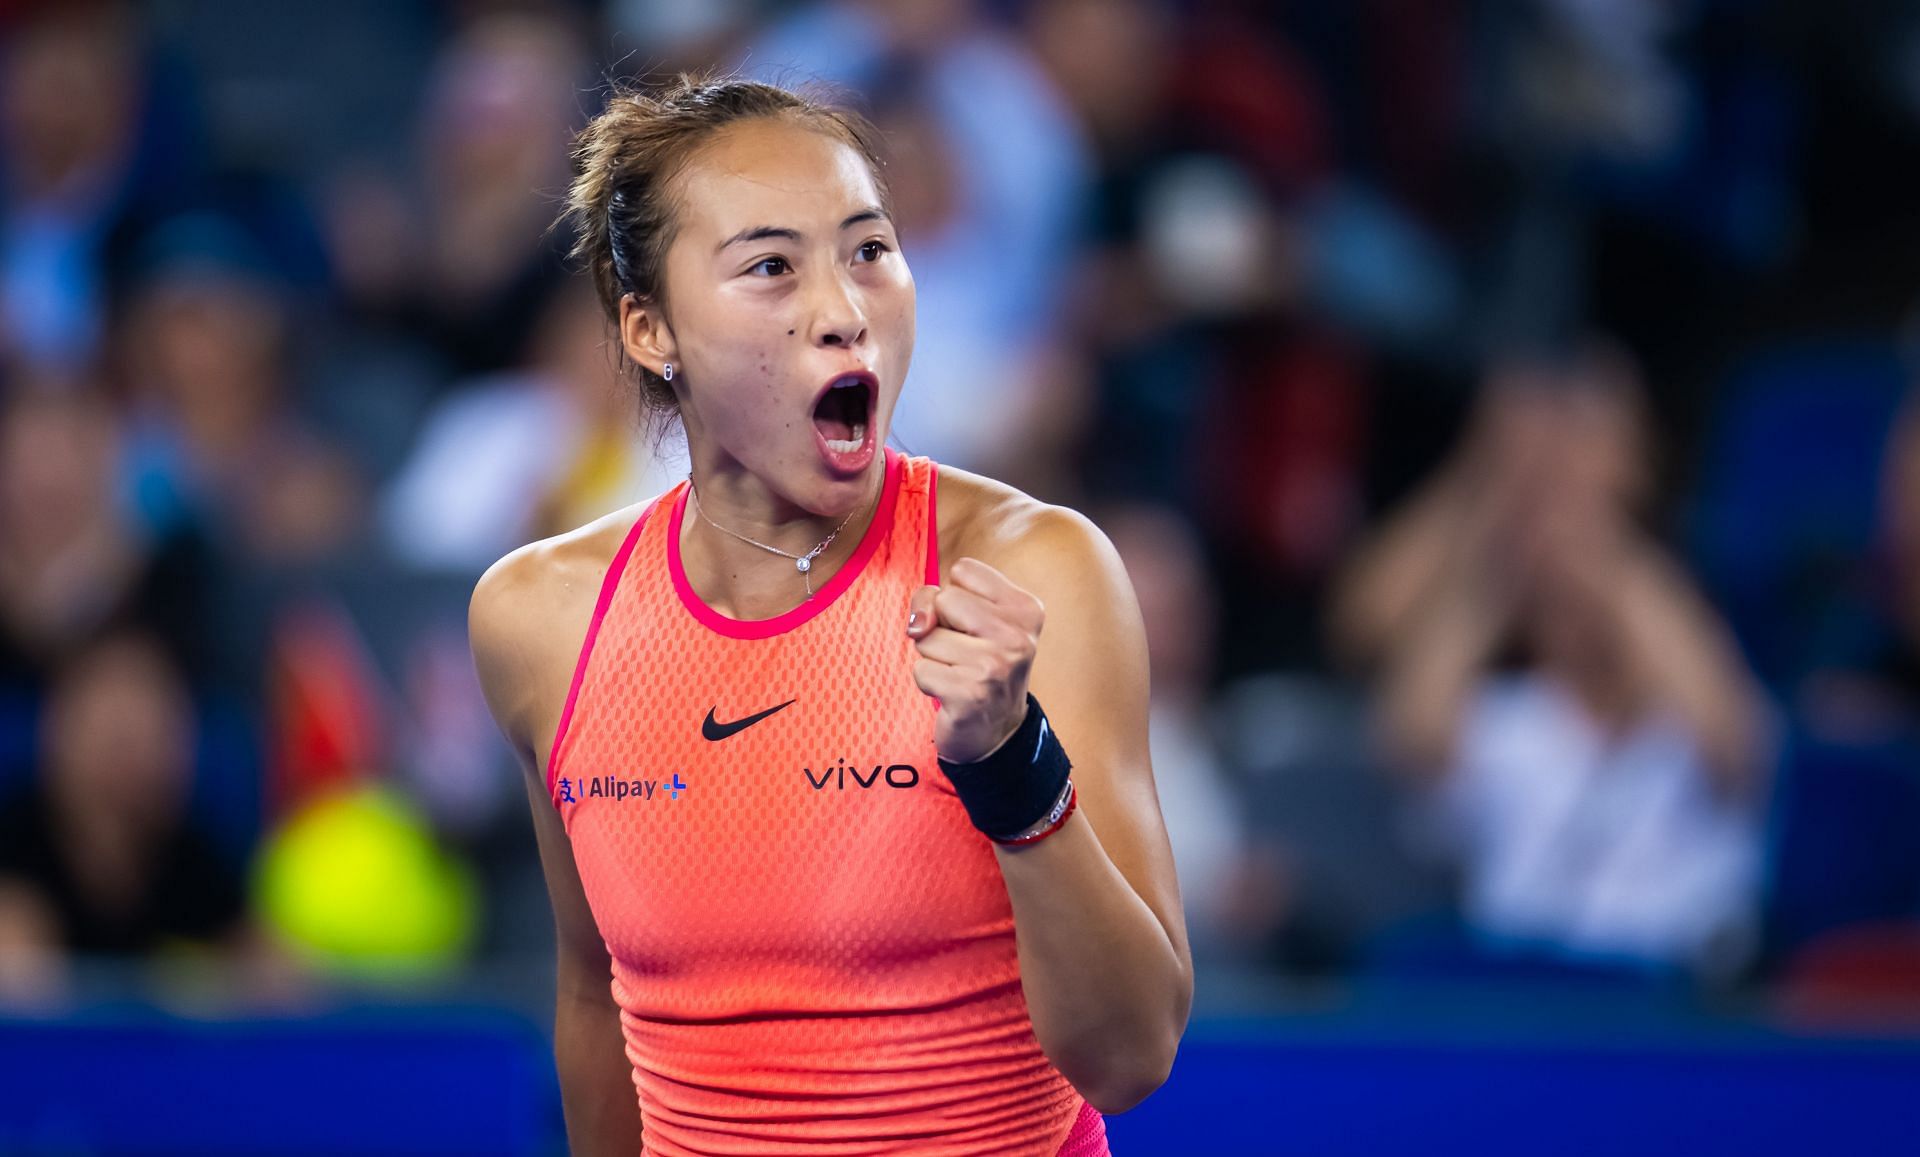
(624,162)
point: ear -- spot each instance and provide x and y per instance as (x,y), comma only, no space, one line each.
(644,333)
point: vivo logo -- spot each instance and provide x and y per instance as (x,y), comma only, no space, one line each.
(893,775)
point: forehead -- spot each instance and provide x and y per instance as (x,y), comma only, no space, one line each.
(772,172)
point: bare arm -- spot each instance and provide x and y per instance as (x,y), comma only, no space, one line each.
(596,1078)
(1686,659)
(1431,669)
(512,623)
(1102,940)
(1380,591)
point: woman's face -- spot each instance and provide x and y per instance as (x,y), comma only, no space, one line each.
(760,325)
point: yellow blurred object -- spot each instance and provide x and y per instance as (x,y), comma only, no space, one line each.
(597,480)
(355,884)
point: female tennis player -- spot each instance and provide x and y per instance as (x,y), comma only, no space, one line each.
(845,808)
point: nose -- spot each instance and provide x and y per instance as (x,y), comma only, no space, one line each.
(838,319)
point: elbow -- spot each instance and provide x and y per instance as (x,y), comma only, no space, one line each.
(1116,1075)
(1135,1074)
(1120,1097)
(1120,1091)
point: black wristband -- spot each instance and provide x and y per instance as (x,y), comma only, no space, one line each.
(1015,787)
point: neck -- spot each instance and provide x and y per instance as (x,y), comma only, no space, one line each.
(743,581)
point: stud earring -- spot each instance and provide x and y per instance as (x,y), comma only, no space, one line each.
(666,371)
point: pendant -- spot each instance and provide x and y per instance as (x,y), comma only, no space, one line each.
(803,565)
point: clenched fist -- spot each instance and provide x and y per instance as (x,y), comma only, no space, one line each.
(976,638)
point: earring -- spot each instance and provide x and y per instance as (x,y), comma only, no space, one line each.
(666,371)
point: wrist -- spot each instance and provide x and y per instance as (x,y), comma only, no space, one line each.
(1046,825)
(1021,783)
(1026,714)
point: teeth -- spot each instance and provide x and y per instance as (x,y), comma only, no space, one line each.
(848,446)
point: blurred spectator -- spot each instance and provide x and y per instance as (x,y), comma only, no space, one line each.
(464,260)
(1532,416)
(99,855)
(1605,796)
(1232,270)
(493,136)
(529,453)
(1186,247)
(219,442)
(74,558)
(78,160)
(68,115)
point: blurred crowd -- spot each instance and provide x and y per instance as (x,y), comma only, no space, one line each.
(1504,409)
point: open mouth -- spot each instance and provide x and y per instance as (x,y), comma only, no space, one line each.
(844,412)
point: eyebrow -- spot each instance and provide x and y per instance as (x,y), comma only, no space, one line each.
(759,232)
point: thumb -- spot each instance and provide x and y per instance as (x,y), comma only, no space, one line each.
(920,612)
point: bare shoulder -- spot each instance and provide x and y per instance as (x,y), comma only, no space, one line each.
(528,616)
(1016,533)
(1062,559)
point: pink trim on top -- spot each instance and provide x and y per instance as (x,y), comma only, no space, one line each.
(933,524)
(877,528)
(933,543)
(607,586)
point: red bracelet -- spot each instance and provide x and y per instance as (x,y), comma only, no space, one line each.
(1072,801)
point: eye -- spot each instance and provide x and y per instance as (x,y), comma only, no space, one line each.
(882,246)
(767,261)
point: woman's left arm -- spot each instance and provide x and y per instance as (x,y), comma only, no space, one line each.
(1104,959)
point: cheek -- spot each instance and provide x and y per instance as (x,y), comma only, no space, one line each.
(904,297)
(753,389)
(748,353)
(893,314)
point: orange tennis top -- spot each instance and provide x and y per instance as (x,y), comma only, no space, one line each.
(813,949)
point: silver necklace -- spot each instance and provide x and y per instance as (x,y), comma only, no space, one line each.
(801,562)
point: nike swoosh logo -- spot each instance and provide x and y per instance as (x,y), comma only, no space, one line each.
(715,730)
